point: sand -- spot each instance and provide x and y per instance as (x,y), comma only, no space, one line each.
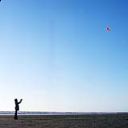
(67,121)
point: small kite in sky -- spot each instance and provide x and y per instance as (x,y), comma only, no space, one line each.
(108,29)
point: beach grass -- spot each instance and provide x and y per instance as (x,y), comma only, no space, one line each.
(66,121)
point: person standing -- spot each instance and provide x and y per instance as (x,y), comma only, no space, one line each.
(16,108)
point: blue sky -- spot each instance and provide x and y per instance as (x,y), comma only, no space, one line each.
(57,55)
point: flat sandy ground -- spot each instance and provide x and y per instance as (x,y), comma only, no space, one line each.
(67,121)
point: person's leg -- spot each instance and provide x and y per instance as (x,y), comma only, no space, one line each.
(15,116)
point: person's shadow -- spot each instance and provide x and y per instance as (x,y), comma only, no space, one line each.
(16,108)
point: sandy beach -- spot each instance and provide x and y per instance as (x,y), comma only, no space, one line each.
(66,121)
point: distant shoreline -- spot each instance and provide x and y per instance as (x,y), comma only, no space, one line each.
(58,113)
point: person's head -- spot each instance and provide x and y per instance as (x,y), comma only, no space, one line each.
(15,100)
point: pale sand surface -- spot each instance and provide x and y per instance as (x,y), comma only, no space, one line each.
(67,121)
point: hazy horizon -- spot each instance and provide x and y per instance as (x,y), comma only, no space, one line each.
(57,55)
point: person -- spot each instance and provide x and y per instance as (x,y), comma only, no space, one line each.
(16,108)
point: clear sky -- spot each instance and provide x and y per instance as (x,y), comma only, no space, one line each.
(57,55)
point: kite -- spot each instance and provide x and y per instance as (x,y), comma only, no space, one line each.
(108,29)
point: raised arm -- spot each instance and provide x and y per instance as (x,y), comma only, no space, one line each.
(20,101)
